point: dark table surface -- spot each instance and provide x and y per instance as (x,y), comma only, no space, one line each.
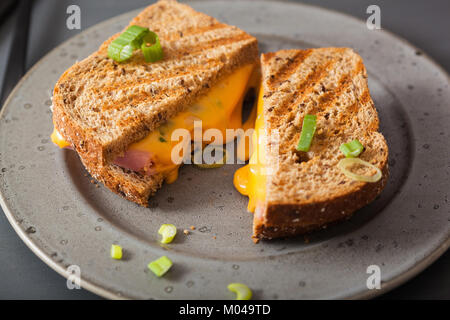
(424,23)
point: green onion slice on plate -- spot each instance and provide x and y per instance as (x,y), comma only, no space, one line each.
(352,149)
(242,291)
(116,252)
(168,232)
(160,266)
(151,48)
(307,133)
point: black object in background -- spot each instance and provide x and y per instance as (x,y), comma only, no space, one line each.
(6,7)
(15,67)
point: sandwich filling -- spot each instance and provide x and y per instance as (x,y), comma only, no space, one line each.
(220,108)
(250,180)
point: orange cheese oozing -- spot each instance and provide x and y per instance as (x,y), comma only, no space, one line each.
(250,180)
(58,139)
(220,108)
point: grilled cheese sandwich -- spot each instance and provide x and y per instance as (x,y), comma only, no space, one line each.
(119,116)
(220,108)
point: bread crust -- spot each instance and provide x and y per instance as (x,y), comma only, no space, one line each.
(286,220)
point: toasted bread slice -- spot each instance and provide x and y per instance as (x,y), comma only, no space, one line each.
(307,191)
(101,106)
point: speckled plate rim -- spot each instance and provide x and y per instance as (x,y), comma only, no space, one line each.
(97,289)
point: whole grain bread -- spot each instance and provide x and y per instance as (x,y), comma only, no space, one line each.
(131,185)
(101,106)
(306,190)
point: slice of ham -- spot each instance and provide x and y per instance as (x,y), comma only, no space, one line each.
(135,160)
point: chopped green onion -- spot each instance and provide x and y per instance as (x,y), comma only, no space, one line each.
(346,162)
(136,37)
(308,130)
(168,232)
(160,266)
(116,252)
(352,149)
(242,291)
(161,139)
(151,48)
(120,50)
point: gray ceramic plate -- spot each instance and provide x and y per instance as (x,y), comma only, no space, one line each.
(67,220)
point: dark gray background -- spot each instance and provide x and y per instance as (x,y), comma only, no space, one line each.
(425,23)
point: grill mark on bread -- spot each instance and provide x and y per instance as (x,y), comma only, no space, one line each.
(137,98)
(133,83)
(289,68)
(302,89)
(305,88)
(267,56)
(365,97)
(194,70)
(209,45)
(327,100)
(193,31)
(142,96)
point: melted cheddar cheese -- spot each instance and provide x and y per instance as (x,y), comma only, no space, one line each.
(250,180)
(220,108)
(58,139)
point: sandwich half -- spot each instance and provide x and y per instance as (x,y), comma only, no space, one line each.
(293,192)
(119,116)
